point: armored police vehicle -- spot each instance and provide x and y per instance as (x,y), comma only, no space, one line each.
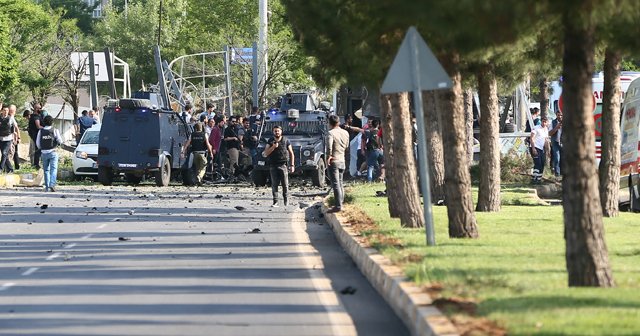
(306,128)
(138,138)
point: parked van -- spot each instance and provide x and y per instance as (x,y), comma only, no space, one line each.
(630,142)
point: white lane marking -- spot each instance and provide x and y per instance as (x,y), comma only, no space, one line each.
(102,226)
(7,286)
(341,322)
(53,256)
(30,271)
(70,246)
(87,236)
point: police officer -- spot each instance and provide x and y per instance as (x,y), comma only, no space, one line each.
(199,147)
(47,140)
(279,154)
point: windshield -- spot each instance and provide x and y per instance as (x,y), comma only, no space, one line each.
(306,128)
(90,138)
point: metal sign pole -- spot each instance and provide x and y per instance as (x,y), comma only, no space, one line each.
(422,148)
(93,87)
(415,61)
(254,72)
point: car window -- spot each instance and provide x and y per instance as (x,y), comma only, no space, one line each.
(90,138)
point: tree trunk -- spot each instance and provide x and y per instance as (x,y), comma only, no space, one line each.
(544,97)
(586,250)
(462,220)
(489,193)
(468,116)
(405,175)
(610,161)
(434,146)
(389,159)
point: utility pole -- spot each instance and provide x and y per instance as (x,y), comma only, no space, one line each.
(159,22)
(262,44)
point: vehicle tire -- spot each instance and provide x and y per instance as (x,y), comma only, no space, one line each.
(163,175)
(132,179)
(188,177)
(259,177)
(105,175)
(319,176)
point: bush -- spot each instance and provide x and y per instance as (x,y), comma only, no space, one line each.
(515,168)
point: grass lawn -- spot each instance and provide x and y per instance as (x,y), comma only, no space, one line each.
(514,274)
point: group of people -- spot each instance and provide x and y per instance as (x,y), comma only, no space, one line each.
(224,139)
(85,121)
(44,140)
(366,147)
(541,133)
(9,138)
(216,138)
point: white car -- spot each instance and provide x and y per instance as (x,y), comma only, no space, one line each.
(86,154)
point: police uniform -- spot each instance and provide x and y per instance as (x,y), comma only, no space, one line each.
(47,140)
(199,151)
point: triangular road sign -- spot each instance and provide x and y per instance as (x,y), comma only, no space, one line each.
(414,57)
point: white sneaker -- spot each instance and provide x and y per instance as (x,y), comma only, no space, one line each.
(275,205)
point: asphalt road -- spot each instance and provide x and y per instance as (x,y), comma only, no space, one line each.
(176,261)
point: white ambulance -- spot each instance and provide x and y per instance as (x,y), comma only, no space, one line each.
(626,78)
(630,143)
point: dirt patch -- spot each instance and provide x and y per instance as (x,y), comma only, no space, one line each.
(475,326)
(362,224)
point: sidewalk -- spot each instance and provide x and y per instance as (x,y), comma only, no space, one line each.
(409,301)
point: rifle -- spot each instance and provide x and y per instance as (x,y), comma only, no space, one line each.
(262,117)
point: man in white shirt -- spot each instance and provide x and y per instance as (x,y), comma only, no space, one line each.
(539,136)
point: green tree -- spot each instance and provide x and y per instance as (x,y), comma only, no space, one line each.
(132,37)
(586,250)
(78,10)
(235,23)
(8,60)
(352,47)
(45,71)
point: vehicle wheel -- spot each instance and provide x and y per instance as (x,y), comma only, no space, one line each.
(163,175)
(133,179)
(105,175)
(318,177)
(259,178)
(188,177)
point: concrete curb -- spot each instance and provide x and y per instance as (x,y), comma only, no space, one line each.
(411,304)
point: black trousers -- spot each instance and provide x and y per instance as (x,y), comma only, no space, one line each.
(279,176)
(36,153)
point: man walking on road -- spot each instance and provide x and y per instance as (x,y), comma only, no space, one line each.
(337,144)
(199,147)
(278,152)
